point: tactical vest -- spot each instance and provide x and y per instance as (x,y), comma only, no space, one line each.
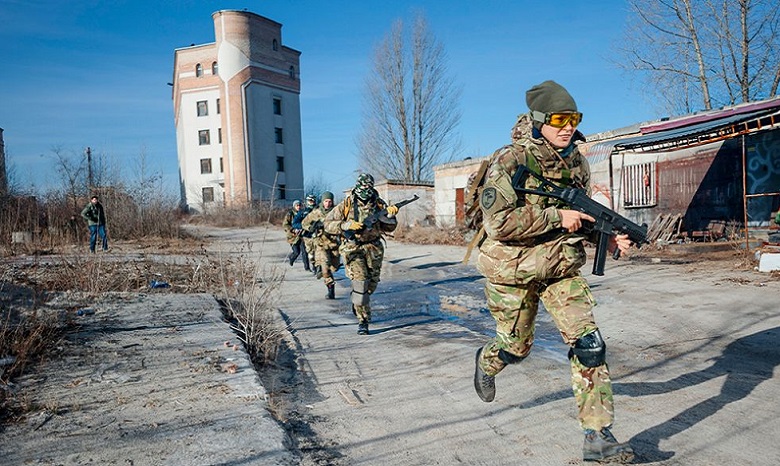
(526,152)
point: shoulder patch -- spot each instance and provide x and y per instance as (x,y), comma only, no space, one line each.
(488,197)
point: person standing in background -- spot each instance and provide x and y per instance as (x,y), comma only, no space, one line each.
(95,216)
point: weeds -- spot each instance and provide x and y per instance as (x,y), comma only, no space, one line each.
(249,293)
(432,235)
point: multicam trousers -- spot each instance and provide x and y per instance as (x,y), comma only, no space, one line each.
(311,246)
(328,260)
(569,302)
(363,262)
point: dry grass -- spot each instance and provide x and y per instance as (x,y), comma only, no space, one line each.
(456,236)
(27,332)
(242,218)
(249,292)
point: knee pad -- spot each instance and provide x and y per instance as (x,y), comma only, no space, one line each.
(509,358)
(590,350)
(359,293)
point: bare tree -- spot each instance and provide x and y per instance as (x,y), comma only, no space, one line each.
(411,107)
(317,185)
(72,170)
(695,54)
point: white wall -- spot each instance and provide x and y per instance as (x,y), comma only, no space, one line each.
(263,149)
(191,152)
(447,179)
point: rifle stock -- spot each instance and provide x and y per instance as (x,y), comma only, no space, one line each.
(608,222)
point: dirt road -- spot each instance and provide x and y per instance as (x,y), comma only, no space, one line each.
(692,347)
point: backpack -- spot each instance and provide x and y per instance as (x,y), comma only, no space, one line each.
(473,213)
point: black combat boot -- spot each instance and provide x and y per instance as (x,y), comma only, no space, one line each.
(484,384)
(331,291)
(363,328)
(602,447)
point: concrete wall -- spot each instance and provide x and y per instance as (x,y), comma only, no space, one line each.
(190,152)
(263,150)
(419,212)
(448,178)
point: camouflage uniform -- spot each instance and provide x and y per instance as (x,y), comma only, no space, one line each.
(526,257)
(326,245)
(308,239)
(362,255)
(292,228)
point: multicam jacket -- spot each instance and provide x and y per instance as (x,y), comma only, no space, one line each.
(524,238)
(352,209)
(292,225)
(310,223)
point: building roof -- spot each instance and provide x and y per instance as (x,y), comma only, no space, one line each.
(694,130)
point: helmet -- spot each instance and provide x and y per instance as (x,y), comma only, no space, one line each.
(364,188)
(311,199)
(364,179)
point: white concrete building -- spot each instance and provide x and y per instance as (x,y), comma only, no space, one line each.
(450,180)
(237,114)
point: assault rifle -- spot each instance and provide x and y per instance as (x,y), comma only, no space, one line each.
(608,222)
(316,227)
(377,216)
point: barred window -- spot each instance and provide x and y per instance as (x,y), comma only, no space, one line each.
(639,185)
(278,137)
(277,106)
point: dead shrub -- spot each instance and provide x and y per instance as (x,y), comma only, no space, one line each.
(249,295)
(25,338)
(257,214)
(451,235)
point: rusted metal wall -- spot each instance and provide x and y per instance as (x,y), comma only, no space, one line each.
(763,176)
(703,183)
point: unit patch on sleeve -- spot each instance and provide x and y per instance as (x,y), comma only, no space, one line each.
(488,197)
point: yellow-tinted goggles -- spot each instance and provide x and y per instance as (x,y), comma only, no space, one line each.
(560,120)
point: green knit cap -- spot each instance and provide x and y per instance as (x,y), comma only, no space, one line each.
(549,97)
(326,195)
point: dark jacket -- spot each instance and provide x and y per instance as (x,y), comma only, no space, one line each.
(94,214)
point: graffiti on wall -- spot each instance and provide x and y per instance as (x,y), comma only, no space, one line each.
(763,175)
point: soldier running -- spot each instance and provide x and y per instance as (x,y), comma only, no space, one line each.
(361,247)
(326,245)
(533,250)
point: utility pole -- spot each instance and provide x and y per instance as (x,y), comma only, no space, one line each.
(88,151)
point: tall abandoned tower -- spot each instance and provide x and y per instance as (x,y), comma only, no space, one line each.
(237,113)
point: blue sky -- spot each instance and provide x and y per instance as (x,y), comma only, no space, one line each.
(95,73)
